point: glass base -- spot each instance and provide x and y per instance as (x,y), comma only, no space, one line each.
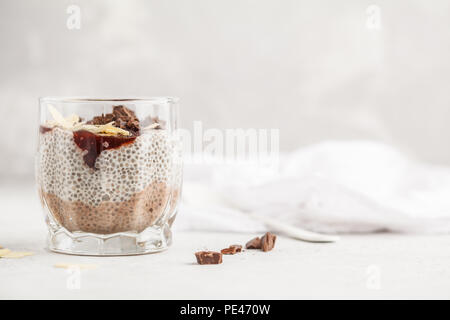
(153,239)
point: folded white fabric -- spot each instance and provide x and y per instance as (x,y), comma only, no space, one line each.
(334,187)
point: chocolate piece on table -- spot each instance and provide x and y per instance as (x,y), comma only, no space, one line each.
(268,241)
(208,257)
(235,248)
(255,243)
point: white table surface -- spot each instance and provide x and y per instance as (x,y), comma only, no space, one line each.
(358,266)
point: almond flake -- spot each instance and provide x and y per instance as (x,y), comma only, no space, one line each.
(152,126)
(75,266)
(17,254)
(60,120)
(4,252)
(73,123)
(73,119)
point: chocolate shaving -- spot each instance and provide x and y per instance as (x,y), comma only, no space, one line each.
(123,118)
(233,249)
(123,112)
(268,241)
(208,257)
(44,129)
(103,119)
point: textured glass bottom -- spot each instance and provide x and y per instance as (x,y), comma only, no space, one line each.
(152,239)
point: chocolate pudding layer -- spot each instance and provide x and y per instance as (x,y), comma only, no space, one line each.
(99,184)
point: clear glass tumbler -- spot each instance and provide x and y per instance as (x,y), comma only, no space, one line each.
(109,174)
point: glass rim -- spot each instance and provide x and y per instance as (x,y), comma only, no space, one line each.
(75,99)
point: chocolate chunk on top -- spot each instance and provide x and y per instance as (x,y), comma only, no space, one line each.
(123,118)
(126,119)
(233,249)
(268,241)
(208,257)
(103,119)
(255,243)
(123,112)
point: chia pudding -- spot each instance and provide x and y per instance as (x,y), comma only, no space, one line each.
(108,175)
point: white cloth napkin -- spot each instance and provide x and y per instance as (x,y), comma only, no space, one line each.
(334,187)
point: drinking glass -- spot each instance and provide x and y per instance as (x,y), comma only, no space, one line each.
(109,173)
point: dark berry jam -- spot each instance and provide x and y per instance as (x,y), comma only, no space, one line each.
(44,129)
(93,144)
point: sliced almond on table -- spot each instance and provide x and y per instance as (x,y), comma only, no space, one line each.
(75,266)
(4,252)
(16,254)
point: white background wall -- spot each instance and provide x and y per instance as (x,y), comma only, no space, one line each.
(311,68)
